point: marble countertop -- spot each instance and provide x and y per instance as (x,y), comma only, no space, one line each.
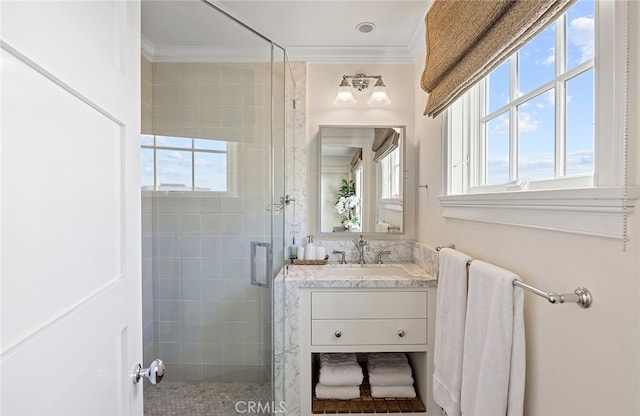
(354,275)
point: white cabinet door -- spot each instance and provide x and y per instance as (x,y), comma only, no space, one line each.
(70,207)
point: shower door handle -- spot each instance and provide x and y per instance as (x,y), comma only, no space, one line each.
(268,259)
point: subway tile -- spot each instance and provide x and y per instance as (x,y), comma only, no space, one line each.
(190,289)
(166,289)
(211,116)
(232,310)
(212,290)
(209,74)
(211,224)
(210,246)
(211,268)
(233,332)
(233,354)
(212,353)
(168,223)
(211,312)
(166,73)
(190,246)
(168,267)
(190,353)
(210,95)
(212,332)
(168,310)
(232,289)
(169,352)
(191,332)
(168,331)
(189,268)
(191,311)
(189,74)
(189,224)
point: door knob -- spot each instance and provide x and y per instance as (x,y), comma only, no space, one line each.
(154,373)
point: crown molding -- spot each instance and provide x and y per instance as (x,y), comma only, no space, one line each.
(315,54)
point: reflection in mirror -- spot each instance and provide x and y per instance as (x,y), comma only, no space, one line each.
(361,179)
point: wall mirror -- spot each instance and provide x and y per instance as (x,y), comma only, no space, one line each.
(361,181)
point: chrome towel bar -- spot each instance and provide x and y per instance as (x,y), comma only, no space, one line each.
(581,296)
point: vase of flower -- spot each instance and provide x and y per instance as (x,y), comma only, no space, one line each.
(348,205)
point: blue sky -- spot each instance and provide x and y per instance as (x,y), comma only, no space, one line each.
(175,166)
(536,116)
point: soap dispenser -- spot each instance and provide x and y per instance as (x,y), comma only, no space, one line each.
(310,250)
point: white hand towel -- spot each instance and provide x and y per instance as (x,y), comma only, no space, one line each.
(382,227)
(451,308)
(337,392)
(338,369)
(393,391)
(493,371)
(390,373)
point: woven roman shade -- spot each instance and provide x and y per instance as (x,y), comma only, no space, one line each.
(467,39)
(385,141)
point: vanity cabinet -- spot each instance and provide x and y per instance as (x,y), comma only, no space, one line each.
(365,320)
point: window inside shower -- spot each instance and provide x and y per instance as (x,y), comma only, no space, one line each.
(212,165)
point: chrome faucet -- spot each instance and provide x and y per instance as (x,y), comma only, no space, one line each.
(361,244)
(380,253)
(342,259)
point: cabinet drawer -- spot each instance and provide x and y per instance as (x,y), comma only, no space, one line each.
(369,331)
(369,305)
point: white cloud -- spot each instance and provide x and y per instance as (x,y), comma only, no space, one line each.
(526,123)
(500,126)
(551,59)
(581,31)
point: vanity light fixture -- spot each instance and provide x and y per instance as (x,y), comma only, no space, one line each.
(360,82)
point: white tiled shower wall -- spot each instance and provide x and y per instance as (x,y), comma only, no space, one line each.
(209,322)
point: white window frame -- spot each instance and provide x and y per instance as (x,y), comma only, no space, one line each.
(594,207)
(230,156)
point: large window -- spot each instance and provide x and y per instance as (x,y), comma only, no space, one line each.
(184,164)
(540,141)
(530,123)
(390,175)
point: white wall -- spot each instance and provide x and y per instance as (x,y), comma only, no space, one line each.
(579,361)
(322,86)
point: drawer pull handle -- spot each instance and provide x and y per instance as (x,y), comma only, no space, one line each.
(401,333)
(338,334)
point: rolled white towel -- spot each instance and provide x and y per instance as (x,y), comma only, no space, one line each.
(338,369)
(393,391)
(390,374)
(389,369)
(337,392)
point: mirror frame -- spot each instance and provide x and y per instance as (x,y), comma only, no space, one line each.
(403,167)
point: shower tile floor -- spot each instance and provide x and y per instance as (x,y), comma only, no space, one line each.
(182,398)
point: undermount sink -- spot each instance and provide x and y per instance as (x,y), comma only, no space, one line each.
(366,270)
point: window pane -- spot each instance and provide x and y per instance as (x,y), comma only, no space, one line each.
(174,169)
(536,137)
(498,87)
(580,37)
(580,124)
(536,61)
(210,171)
(146,168)
(497,169)
(165,141)
(206,144)
(146,140)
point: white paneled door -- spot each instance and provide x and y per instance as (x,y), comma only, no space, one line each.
(69,207)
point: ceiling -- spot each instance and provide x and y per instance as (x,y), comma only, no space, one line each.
(312,31)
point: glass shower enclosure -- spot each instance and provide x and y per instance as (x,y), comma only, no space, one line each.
(212,162)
